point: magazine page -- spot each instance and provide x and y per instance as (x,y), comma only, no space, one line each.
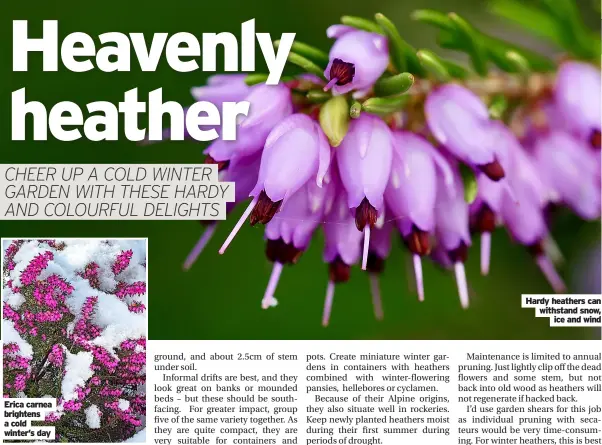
(278,222)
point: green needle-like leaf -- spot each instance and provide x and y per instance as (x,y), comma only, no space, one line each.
(361,23)
(309,52)
(456,70)
(498,107)
(430,61)
(403,55)
(254,79)
(478,54)
(394,85)
(520,63)
(318,96)
(434,18)
(305,64)
(385,105)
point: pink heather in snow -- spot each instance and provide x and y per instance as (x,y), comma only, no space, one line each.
(52,334)
(122,261)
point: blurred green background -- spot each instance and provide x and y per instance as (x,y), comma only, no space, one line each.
(220,297)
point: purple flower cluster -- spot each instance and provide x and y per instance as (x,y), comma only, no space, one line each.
(35,267)
(44,320)
(438,170)
(122,261)
(90,273)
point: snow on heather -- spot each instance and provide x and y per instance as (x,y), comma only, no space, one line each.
(10,335)
(93,417)
(77,372)
(14,299)
(74,329)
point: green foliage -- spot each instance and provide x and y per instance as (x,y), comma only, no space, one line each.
(393,85)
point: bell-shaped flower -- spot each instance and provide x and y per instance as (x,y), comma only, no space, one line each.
(289,233)
(364,162)
(268,106)
(451,217)
(357,59)
(524,216)
(459,120)
(411,193)
(572,170)
(219,89)
(577,97)
(295,152)
(485,209)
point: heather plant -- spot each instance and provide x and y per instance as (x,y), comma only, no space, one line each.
(58,344)
(376,137)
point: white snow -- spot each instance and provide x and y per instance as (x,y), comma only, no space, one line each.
(10,335)
(77,372)
(139,437)
(112,314)
(93,417)
(123,404)
(15,300)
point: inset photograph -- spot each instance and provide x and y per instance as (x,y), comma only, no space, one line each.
(74,329)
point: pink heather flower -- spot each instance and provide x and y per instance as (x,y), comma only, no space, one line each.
(406,170)
(572,171)
(119,374)
(364,162)
(460,122)
(35,267)
(122,261)
(269,104)
(411,194)
(576,94)
(357,59)
(342,247)
(284,170)
(289,232)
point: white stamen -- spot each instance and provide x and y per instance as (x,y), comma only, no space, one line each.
(328,303)
(485,252)
(549,271)
(238,225)
(268,297)
(330,84)
(461,283)
(418,275)
(366,247)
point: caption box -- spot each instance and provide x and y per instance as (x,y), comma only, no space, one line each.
(19,415)
(113,191)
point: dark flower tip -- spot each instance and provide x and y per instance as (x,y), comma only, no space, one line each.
(221,165)
(265,209)
(375,263)
(365,215)
(459,254)
(418,242)
(339,271)
(594,139)
(342,71)
(536,249)
(278,251)
(484,220)
(493,170)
